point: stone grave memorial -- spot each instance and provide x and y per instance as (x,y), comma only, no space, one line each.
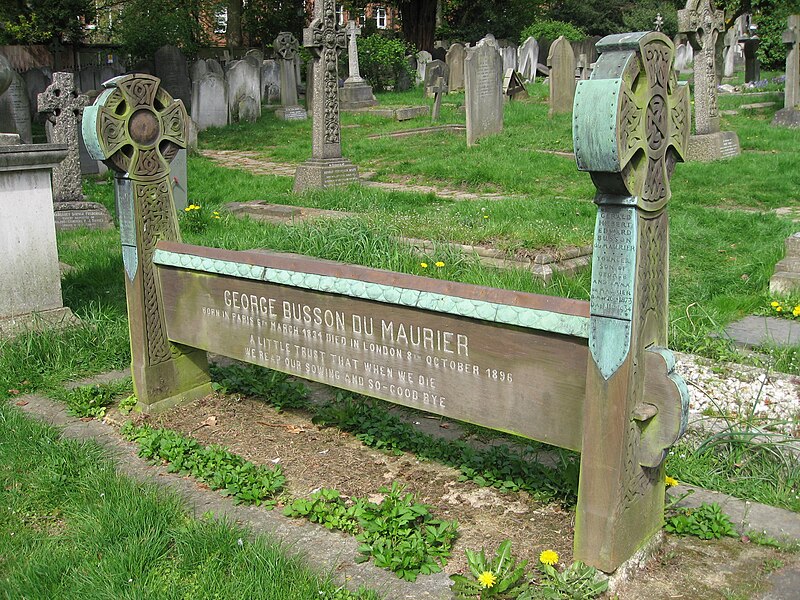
(583,69)
(752,66)
(483,96)
(36,82)
(595,377)
(357,92)
(561,61)
(702,24)
(286,46)
(436,69)
(681,60)
(63,107)
(513,87)
(15,109)
(423,58)
(270,82)
(243,80)
(729,56)
(455,64)
(439,89)
(785,281)
(209,100)
(528,60)
(509,53)
(326,167)
(171,68)
(789,115)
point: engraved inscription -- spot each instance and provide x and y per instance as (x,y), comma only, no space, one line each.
(614,263)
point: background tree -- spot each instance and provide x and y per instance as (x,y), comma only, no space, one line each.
(263,20)
(469,20)
(233,32)
(43,21)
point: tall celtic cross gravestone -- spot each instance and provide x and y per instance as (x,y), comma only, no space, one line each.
(286,46)
(326,167)
(64,106)
(789,115)
(593,377)
(136,128)
(357,92)
(703,24)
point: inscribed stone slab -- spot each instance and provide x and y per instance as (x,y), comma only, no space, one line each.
(483,78)
(173,70)
(244,91)
(561,61)
(455,62)
(15,110)
(528,59)
(210,101)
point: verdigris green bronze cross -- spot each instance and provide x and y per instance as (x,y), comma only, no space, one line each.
(137,128)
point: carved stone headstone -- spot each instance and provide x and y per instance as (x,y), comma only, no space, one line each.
(357,92)
(561,61)
(137,129)
(244,91)
(423,58)
(789,115)
(702,24)
(15,109)
(210,101)
(326,167)
(681,58)
(455,62)
(483,96)
(286,46)
(509,53)
(648,120)
(513,87)
(752,66)
(171,67)
(270,82)
(436,69)
(729,58)
(528,59)
(63,106)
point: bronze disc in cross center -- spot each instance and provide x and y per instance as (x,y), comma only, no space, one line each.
(657,128)
(144,127)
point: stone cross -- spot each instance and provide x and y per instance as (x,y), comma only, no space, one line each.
(64,106)
(702,24)
(791,37)
(659,22)
(439,88)
(137,128)
(353,30)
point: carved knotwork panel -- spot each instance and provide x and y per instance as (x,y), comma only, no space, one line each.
(286,46)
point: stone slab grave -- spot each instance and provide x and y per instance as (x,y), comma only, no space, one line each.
(171,68)
(455,64)
(561,61)
(326,167)
(209,98)
(243,80)
(483,96)
(63,106)
(356,92)
(418,131)
(270,82)
(30,280)
(528,59)
(786,279)
(15,109)
(282,214)
(789,115)
(702,24)
(594,377)
(400,113)
(755,331)
(286,46)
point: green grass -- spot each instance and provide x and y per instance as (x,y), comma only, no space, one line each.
(70,527)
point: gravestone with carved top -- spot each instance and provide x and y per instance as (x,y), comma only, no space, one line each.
(357,92)
(561,60)
(326,167)
(286,47)
(703,24)
(136,128)
(789,115)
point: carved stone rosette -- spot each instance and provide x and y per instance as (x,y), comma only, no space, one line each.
(630,126)
(137,128)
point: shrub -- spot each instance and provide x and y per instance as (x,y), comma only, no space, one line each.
(382,60)
(552,30)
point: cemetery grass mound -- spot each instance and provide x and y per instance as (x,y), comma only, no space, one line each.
(313,457)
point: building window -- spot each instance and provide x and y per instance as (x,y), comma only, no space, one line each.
(221,21)
(340,15)
(380,17)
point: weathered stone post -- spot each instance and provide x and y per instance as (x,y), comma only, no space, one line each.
(326,167)
(630,128)
(789,115)
(136,128)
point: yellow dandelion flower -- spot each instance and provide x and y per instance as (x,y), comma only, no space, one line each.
(670,481)
(796,311)
(487,579)
(439,263)
(548,557)
(485,216)
(779,309)
(774,304)
(423,265)
(187,209)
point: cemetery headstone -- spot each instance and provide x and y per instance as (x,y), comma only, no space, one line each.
(15,109)
(483,96)
(681,57)
(436,69)
(752,66)
(702,24)
(509,53)
(513,87)
(731,46)
(63,107)
(357,92)
(178,170)
(137,128)
(210,100)
(197,70)
(326,167)
(423,58)
(785,281)
(271,82)
(439,89)
(244,91)
(561,61)
(455,63)
(593,377)
(286,46)
(214,66)
(789,115)
(583,69)
(171,67)
(528,60)
(36,82)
